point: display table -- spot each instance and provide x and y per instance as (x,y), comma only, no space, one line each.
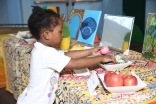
(73,89)
(16,60)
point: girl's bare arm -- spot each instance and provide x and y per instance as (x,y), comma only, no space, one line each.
(88,61)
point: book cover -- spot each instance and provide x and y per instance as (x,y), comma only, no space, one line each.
(149,44)
(75,21)
(89,26)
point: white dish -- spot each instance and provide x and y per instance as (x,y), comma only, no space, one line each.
(124,89)
(115,67)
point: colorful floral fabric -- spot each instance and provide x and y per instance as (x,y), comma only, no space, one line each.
(73,89)
(17,64)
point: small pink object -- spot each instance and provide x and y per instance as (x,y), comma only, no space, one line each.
(104,50)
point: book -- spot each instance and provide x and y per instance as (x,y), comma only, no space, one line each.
(74,21)
(89,26)
(149,44)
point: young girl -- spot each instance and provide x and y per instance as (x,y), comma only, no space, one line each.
(47,62)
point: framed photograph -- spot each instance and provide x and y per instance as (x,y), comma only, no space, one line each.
(89,26)
(117,32)
(149,44)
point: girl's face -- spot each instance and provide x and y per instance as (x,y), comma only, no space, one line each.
(56,35)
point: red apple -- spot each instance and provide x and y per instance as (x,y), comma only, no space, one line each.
(130,81)
(107,73)
(114,80)
(125,73)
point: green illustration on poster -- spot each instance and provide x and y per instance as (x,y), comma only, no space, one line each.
(149,44)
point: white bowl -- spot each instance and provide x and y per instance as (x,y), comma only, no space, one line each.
(115,67)
(124,89)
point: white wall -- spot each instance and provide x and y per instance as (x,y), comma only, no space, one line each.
(10,12)
(20,10)
(14,11)
(3,12)
(150,8)
(27,9)
(113,7)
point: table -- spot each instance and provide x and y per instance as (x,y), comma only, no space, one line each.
(77,93)
(73,89)
(16,60)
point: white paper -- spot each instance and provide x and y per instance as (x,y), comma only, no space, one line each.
(126,52)
(105,16)
(92,83)
(30,41)
(86,47)
(13,34)
(22,34)
(104,43)
(82,72)
(101,44)
(93,93)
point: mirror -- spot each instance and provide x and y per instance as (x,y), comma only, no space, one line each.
(117,32)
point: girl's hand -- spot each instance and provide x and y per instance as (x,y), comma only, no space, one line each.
(96,51)
(109,58)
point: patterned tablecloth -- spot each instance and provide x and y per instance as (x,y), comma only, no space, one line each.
(17,60)
(73,89)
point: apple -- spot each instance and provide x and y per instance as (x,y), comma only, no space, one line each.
(130,81)
(107,73)
(125,73)
(104,50)
(114,80)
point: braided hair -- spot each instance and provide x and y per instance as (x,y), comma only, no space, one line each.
(42,19)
